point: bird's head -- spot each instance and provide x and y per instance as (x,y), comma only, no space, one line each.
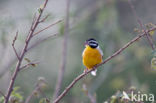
(92,43)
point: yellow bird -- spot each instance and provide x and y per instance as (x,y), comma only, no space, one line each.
(92,55)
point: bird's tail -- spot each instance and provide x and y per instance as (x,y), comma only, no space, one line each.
(94,72)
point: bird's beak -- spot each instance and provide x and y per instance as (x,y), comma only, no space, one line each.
(86,43)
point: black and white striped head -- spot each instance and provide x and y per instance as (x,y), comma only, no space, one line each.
(92,43)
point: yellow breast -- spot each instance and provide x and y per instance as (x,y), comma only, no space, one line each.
(91,57)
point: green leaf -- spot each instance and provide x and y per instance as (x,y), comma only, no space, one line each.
(61,29)
(27,59)
(151,32)
(153,63)
(1,99)
(39,10)
(18,95)
(42,100)
(113,99)
(154,53)
(15,89)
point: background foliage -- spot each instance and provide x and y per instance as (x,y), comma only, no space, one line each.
(111,22)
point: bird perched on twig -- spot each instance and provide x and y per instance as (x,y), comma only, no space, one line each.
(92,55)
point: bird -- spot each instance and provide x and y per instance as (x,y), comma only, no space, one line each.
(92,55)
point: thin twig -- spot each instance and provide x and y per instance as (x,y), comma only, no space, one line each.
(29,37)
(38,89)
(91,97)
(32,94)
(13,45)
(29,64)
(44,18)
(64,53)
(40,41)
(141,25)
(32,23)
(2,94)
(135,14)
(47,27)
(94,68)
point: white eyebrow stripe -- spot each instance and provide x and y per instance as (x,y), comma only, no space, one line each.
(93,41)
(93,44)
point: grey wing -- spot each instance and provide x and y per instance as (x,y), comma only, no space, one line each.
(101,52)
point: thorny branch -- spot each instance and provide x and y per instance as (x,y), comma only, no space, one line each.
(29,37)
(105,61)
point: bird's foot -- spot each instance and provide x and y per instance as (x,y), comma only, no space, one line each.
(85,71)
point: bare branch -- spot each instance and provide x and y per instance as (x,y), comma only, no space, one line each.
(135,14)
(40,41)
(32,94)
(91,97)
(141,25)
(47,27)
(29,37)
(105,61)
(13,45)
(64,53)
(44,18)
(40,84)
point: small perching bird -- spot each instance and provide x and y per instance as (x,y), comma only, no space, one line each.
(92,55)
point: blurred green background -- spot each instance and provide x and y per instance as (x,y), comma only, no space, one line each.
(110,22)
